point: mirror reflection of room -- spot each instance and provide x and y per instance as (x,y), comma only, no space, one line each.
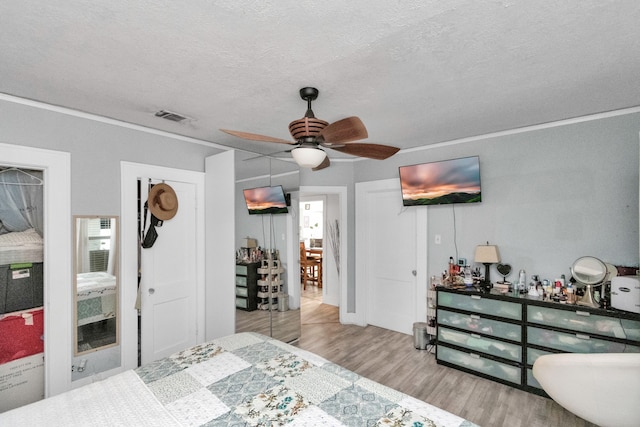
(96,283)
(266,300)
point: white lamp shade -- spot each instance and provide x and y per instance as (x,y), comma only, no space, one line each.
(487,254)
(308,157)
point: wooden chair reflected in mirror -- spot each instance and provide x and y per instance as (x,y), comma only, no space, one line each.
(310,266)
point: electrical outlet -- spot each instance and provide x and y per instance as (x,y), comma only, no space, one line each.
(438,239)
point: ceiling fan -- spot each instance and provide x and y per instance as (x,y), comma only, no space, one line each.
(309,133)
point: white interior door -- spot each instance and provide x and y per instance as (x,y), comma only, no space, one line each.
(391,250)
(169,320)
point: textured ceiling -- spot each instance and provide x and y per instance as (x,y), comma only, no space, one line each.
(416,72)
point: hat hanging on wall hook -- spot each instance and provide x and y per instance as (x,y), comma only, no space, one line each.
(163,202)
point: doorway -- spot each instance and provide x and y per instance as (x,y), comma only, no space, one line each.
(334,243)
(189,188)
(56,167)
(21,286)
(391,276)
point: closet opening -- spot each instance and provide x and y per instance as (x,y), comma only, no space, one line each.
(21,287)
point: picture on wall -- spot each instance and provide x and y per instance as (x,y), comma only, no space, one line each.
(266,200)
(442,182)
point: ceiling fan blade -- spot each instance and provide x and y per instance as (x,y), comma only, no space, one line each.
(325,164)
(256,137)
(345,130)
(371,151)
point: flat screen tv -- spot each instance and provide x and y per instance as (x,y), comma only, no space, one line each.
(265,200)
(444,182)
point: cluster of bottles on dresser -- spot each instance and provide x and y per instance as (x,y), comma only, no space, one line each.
(559,290)
(457,274)
(248,255)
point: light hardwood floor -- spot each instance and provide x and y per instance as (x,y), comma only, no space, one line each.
(389,358)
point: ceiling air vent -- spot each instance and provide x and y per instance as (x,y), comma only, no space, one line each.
(174,117)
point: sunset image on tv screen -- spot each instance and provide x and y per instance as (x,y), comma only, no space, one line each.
(265,200)
(436,183)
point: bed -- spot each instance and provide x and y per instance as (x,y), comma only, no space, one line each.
(246,379)
(96,297)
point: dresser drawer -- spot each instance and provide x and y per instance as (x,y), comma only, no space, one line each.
(242,302)
(479,304)
(534,353)
(242,292)
(531,380)
(475,323)
(479,364)
(241,281)
(476,342)
(242,269)
(631,329)
(576,343)
(584,321)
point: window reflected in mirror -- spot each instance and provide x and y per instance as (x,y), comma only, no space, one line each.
(96,283)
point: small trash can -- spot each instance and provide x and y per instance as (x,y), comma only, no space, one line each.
(420,335)
(283,302)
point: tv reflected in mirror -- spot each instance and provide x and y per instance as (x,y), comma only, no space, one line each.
(265,200)
(442,182)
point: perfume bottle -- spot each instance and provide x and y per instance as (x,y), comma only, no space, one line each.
(468,277)
(522,282)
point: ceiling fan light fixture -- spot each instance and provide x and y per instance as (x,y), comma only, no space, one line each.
(308,157)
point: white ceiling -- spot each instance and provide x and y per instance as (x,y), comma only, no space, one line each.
(416,72)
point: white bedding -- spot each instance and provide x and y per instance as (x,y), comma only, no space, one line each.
(21,246)
(96,297)
(245,379)
(93,284)
(121,400)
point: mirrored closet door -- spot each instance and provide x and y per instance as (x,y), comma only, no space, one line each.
(267,265)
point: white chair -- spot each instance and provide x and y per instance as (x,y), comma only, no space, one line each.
(602,388)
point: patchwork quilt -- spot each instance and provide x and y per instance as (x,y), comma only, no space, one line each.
(248,379)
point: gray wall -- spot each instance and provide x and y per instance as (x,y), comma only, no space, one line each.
(96,151)
(549,196)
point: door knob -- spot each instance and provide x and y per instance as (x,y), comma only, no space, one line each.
(151,291)
(414,272)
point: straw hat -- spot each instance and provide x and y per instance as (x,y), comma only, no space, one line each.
(163,202)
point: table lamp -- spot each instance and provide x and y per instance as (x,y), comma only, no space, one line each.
(487,255)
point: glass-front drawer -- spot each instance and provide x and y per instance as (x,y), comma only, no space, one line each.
(480,343)
(479,304)
(534,353)
(584,321)
(241,281)
(576,343)
(479,364)
(531,380)
(241,269)
(475,323)
(241,302)
(631,329)
(242,292)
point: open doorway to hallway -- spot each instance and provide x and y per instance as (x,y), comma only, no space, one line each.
(313,252)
